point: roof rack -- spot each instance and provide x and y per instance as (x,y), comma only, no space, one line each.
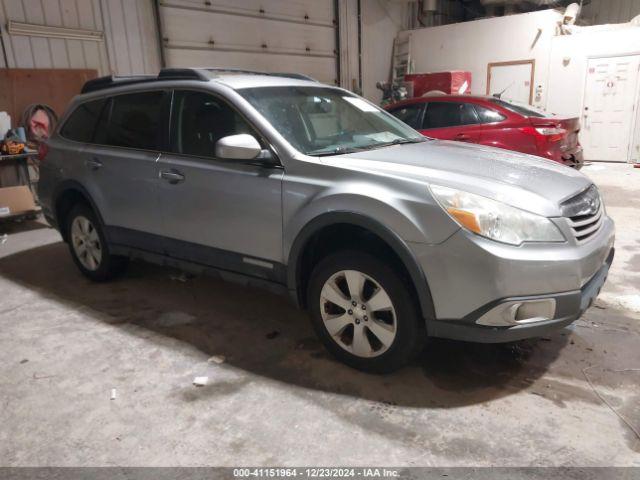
(298,76)
(112,81)
(198,74)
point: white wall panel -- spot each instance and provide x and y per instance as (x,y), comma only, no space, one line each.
(381,23)
(129,45)
(600,12)
(270,35)
(131,38)
(473,45)
(349,69)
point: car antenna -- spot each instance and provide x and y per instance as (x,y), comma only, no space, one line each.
(499,95)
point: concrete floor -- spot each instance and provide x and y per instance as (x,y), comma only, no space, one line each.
(572,398)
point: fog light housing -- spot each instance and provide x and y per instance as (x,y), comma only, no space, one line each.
(519,312)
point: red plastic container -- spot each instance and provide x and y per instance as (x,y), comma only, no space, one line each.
(455,81)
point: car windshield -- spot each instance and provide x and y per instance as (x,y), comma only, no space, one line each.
(328,121)
(525,110)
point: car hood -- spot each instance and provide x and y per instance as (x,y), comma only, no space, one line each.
(524,181)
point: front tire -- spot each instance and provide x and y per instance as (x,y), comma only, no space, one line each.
(88,246)
(364,313)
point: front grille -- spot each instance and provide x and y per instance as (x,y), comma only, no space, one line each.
(586,226)
(584,213)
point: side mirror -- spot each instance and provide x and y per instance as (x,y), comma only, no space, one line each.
(238,147)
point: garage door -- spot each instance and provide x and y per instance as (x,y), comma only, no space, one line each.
(270,35)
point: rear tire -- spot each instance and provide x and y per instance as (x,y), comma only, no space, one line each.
(364,313)
(89,248)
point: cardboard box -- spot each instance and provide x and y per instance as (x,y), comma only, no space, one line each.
(16,201)
(9,173)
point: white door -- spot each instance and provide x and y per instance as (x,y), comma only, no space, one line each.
(513,81)
(609,104)
(296,36)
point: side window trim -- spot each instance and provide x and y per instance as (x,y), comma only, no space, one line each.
(106,110)
(423,108)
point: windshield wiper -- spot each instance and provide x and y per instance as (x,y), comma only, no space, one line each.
(334,151)
(398,141)
(343,150)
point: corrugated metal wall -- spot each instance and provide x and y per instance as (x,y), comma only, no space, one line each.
(129,44)
(269,35)
(600,12)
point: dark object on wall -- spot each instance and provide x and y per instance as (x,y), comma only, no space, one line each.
(38,121)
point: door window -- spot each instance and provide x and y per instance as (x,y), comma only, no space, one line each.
(83,120)
(199,120)
(487,115)
(449,114)
(410,114)
(132,121)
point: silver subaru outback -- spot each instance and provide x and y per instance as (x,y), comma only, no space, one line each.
(384,236)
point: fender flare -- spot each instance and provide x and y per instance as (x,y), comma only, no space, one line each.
(63,188)
(398,245)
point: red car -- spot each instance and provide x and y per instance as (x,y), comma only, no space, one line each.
(494,122)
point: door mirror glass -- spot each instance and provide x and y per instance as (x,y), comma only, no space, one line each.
(238,147)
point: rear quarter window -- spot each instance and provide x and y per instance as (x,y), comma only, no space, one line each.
(488,115)
(82,122)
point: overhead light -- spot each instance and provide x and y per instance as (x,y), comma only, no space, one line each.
(48,31)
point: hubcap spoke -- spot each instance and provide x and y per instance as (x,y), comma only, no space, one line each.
(84,225)
(90,260)
(335,325)
(81,248)
(384,333)
(331,293)
(93,235)
(379,301)
(360,345)
(355,282)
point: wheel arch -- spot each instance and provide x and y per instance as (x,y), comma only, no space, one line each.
(295,267)
(66,196)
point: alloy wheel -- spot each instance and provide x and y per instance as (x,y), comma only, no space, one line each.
(86,243)
(358,313)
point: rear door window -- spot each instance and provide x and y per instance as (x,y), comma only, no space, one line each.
(448,114)
(410,114)
(134,121)
(82,123)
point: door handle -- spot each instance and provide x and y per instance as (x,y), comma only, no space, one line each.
(462,136)
(172,176)
(93,164)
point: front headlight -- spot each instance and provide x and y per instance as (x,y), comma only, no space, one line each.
(495,220)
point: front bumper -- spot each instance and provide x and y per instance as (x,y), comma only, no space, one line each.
(569,307)
(470,275)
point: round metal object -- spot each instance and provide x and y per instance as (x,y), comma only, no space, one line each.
(346,327)
(86,243)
